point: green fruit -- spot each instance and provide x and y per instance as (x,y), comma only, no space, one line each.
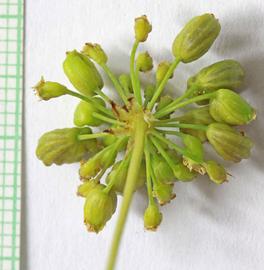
(162,69)
(84,110)
(162,171)
(163,192)
(196,38)
(231,108)
(62,146)
(152,217)
(99,208)
(118,174)
(229,143)
(144,62)
(215,171)
(223,74)
(95,52)
(182,173)
(47,90)
(142,28)
(82,73)
(194,147)
(85,188)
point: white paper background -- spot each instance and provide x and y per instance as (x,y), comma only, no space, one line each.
(206,226)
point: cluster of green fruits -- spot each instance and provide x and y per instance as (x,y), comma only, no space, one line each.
(139,126)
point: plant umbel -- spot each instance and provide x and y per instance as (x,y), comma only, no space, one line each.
(138,125)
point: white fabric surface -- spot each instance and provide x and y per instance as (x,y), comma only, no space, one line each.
(206,226)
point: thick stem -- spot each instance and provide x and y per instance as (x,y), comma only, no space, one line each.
(133,171)
(170,109)
(163,83)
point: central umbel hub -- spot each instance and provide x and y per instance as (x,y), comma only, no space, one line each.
(129,115)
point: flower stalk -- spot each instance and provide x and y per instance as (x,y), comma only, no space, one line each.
(136,157)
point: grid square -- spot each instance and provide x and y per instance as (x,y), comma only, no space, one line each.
(9,155)
(3,9)
(10,169)
(10,130)
(11,82)
(12,46)
(7,241)
(11,70)
(8,216)
(12,22)
(7,228)
(9,204)
(7,265)
(12,33)
(11,94)
(13,10)
(11,59)
(9,179)
(11,106)
(9,190)
(3,22)
(10,144)
(7,252)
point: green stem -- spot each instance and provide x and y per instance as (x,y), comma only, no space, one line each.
(90,100)
(134,75)
(138,86)
(177,125)
(185,95)
(165,111)
(163,152)
(115,82)
(107,119)
(171,132)
(120,167)
(133,171)
(163,83)
(126,90)
(148,174)
(173,145)
(92,136)
(99,175)
(103,96)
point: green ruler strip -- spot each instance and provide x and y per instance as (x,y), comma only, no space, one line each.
(11,75)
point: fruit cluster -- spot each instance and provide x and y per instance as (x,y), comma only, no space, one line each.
(139,126)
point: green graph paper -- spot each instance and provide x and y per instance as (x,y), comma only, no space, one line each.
(11,56)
